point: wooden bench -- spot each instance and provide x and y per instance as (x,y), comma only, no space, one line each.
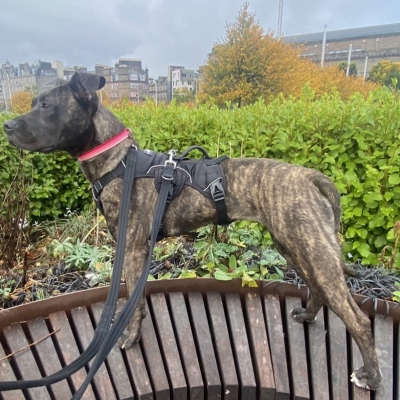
(201,339)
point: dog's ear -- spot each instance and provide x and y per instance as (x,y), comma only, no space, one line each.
(84,86)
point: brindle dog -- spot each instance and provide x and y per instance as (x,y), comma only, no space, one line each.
(299,206)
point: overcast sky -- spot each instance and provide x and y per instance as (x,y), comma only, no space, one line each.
(160,32)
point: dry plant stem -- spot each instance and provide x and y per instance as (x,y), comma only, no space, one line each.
(30,345)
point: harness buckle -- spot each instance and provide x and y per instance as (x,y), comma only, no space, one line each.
(96,189)
(169,166)
(217,191)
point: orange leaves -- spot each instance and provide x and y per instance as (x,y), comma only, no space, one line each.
(248,64)
(21,102)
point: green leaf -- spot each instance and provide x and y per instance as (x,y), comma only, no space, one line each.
(166,276)
(222,276)
(247,280)
(372,196)
(187,274)
(232,262)
(364,249)
(394,179)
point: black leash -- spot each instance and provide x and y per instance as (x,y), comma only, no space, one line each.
(127,312)
(110,307)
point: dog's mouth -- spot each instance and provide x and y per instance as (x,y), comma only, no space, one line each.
(47,149)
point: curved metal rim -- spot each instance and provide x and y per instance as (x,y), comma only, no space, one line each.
(85,297)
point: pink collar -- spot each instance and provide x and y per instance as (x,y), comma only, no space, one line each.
(110,143)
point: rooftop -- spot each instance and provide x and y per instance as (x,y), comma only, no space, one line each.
(346,34)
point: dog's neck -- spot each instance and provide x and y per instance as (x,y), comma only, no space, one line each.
(106,126)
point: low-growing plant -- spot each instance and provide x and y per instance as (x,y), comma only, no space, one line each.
(6,287)
(237,251)
(96,262)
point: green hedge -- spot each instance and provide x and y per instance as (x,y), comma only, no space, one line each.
(356,143)
(55,183)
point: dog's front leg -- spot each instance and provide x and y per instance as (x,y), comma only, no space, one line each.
(134,262)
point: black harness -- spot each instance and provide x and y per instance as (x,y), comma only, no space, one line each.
(205,175)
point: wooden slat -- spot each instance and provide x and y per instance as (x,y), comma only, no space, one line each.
(277,346)
(169,346)
(297,351)
(205,346)
(338,357)
(260,346)
(383,337)
(187,345)
(84,329)
(318,357)
(115,361)
(223,346)
(7,374)
(15,338)
(69,349)
(48,356)
(241,346)
(140,376)
(154,359)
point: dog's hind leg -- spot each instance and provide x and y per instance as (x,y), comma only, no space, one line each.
(323,273)
(359,327)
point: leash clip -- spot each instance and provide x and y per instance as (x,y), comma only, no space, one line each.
(169,166)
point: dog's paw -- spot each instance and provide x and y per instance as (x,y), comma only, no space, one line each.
(126,341)
(360,378)
(301,315)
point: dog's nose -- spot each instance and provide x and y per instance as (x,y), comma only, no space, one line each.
(9,125)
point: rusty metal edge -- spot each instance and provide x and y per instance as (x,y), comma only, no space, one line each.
(86,297)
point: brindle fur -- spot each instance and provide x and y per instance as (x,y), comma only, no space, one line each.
(299,206)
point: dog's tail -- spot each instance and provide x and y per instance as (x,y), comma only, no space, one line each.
(330,192)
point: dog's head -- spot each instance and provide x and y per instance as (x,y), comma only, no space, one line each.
(60,119)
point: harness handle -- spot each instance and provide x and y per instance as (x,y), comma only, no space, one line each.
(189,149)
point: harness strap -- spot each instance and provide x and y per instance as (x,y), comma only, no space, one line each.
(113,294)
(101,183)
(218,195)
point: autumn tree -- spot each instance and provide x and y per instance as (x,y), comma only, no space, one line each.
(248,64)
(239,67)
(384,72)
(21,102)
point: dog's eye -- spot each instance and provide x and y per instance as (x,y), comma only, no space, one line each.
(45,106)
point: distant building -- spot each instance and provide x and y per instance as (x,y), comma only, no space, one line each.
(170,70)
(127,79)
(184,78)
(369,45)
(36,78)
(158,89)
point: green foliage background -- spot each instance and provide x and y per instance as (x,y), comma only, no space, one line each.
(355,142)
(55,181)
